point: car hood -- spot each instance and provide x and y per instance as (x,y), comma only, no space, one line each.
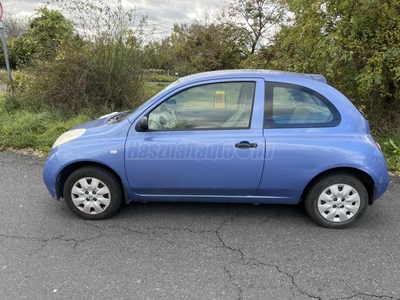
(108,119)
(94,123)
(114,124)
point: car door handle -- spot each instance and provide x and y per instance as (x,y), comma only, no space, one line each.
(246,145)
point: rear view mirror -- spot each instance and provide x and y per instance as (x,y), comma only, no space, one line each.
(171,101)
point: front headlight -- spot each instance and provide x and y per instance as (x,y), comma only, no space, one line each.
(68,136)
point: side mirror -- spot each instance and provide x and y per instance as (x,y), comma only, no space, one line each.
(143,124)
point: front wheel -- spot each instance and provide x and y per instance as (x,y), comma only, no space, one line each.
(336,200)
(93,193)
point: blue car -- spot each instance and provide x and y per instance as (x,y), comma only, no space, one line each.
(238,136)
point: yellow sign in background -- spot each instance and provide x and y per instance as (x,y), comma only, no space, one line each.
(219,99)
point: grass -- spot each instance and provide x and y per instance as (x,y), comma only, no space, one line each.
(23,129)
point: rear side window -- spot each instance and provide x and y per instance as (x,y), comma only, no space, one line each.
(288,105)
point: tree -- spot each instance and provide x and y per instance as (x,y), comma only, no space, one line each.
(206,47)
(104,20)
(354,43)
(49,30)
(40,41)
(254,20)
(159,55)
(14,26)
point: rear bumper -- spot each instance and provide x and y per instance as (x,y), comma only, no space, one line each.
(382,179)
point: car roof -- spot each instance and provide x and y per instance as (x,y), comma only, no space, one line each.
(266,74)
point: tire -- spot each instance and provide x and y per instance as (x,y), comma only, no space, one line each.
(336,200)
(93,193)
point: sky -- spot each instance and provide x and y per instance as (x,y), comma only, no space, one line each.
(161,13)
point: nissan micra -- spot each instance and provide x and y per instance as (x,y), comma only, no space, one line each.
(239,136)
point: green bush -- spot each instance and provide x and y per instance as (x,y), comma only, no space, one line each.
(84,75)
(98,70)
(391,149)
(24,128)
(3,76)
(160,78)
(46,32)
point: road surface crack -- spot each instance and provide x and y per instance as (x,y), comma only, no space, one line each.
(292,278)
(357,294)
(240,291)
(224,244)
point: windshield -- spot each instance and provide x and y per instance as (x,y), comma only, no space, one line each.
(168,87)
(120,117)
(123,115)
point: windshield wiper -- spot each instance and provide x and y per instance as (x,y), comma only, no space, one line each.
(118,117)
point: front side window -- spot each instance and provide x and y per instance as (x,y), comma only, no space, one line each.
(211,106)
(288,105)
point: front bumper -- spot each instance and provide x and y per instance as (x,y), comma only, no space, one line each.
(51,169)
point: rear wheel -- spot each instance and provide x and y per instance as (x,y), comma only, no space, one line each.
(336,200)
(93,193)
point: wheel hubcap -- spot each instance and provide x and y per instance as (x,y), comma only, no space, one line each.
(339,203)
(90,195)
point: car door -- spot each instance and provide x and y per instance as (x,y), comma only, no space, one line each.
(203,140)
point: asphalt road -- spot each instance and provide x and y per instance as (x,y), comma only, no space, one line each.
(188,251)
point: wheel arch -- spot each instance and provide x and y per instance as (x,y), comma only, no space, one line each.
(68,170)
(364,177)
